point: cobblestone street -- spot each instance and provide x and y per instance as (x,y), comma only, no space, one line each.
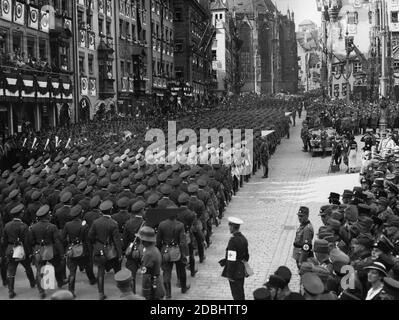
(268,208)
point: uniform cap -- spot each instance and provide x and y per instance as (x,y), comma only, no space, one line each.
(138,206)
(153,199)
(123,202)
(312,283)
(235,221)
(36,195)
(378,266)
(334,224)
(262,294)
(95,201)
(351,213)
(123,277)
(82,185)
(284,273)
(17,209)
(276,281)
(184,198)
(320,246)
(153,181)
(193,188)
(66,196)
(44,210)
(13,193)
(88,190)
(76,210)
(303,211)
(165,189)
(140,189)
(106,205)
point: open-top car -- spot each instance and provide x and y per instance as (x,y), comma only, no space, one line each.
(320,139)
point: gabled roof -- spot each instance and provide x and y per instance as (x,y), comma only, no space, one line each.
(219,5)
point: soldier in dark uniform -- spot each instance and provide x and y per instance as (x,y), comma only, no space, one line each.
(198,207)
(94,212)
(42,234)
(15,235)
(166,202)
(170,234)
(152,283)
(104,236)
(75,236)
(124,283)
(265,155)
(30,214)
(304,237)
(123,215)
(62,215)
(188,218)
(236,253)
(132,245)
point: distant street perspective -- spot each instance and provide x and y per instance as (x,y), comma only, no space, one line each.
(199,150)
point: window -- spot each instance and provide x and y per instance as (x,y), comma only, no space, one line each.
(395,39)
(81,65)
(179,46)
(121,32)
(396,66)
(179,71)
(31,46)
(357,66)
(100,26)
(91,67)
(352,18)
(108,28)
(129,68)
(122,68)
(17,42)
(394,16)
(178,14)
(43,49)
(134,32)
(80,18)
(214,55)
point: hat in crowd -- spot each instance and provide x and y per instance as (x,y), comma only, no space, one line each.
(235,221)
(363,209)
(184,199)
(334,195)
(76,211)
(379,267)
(123,277)
(262,294)
(44,210)
(147,234)
(17,209)
(153,199)
(95,201)
(384,244)
(62,295)
(276,282)
(320,246)
(123,202)
(284,273)
(312,284)
(382,201)
(347,194)
(106,205)
(13,193)
(305,268)
(36,195)
(334,224)
(364,239)
(338,259)
(66,196)
(138,206)
(303,211)
(392,222)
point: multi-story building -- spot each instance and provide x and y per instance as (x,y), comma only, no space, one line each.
(268,56)
(162,40)
(36,41)
(194,34)
(309,56)
(95,63)
(222,54)
(350,21)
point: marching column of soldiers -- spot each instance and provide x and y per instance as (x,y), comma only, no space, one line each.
(85,206)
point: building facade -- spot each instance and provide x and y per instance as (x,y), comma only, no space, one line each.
(36,41)
(309,56)
(268,56)
(194,35)
(222,48)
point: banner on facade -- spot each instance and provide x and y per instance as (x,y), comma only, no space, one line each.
(6,10)
(93,87)
(45,21)
(33,19)
(84,89)
(19,13)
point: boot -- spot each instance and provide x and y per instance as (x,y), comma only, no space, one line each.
(31,278)
(71,285)
(11,292)
(42,293)
(168,290)
(100,284)
(134,285)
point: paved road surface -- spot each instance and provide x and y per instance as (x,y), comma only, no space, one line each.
(268,208)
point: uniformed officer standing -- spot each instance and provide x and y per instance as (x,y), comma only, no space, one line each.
(75,236)
(236,253)
(132,243)
(265,155)
(107,247)
(152,283)
(15,235)
(303,238)
(170,234)
(41,235)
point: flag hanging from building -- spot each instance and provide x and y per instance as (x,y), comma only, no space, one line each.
(139,27)
(19,13)
(6,12)
(33,19)
(45,21)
